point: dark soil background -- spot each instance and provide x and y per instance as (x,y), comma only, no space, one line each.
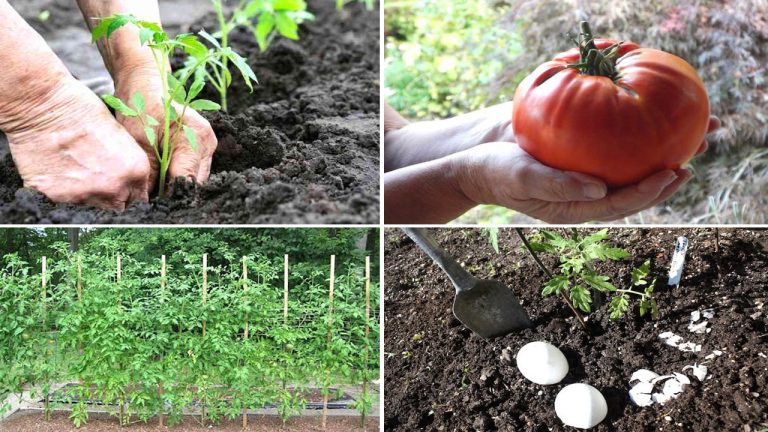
(303,148)
(439,376)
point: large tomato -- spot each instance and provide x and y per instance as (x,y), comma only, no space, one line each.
(650,113)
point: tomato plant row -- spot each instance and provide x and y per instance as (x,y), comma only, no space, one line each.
(152,341)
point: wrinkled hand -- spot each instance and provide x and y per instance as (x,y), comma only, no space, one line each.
(68,146)
(502,173)
(194,164)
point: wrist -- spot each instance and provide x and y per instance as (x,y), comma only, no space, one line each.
(462,177)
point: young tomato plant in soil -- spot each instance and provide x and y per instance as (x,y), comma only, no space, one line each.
(578,275)
(265,19)
(176,98)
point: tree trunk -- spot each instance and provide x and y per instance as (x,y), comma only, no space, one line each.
(74,239)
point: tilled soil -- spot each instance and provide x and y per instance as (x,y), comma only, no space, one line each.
(31,422)
(302,148)
(439,376)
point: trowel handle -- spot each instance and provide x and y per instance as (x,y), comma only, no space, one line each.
(461,279)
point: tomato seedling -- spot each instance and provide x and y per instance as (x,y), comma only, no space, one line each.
(176,98)
(578,275)
(265,19)
(612,110)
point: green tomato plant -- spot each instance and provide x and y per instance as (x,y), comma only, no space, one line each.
(265,19)
(176,97)
(578,275)
(148,345)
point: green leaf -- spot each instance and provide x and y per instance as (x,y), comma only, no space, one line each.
(204,105)
(619,306)
(644,306)
(173,115)
(146,35)
(581,298)
(100,30)
(649,289)
(555,285)
(138,102)
(598,282)
(286,26)
(205,35)
(193,46)
(151,121)
(151,137)
(119,106)
(119,21)
(191,137)
(178,93)
(245,71)
(289,5)
(262,30)
(196,87)
(595,237)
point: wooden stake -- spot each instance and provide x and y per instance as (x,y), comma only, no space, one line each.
(367,328)
(47,414)
(160,389)
(79,280)
(285,291)
(119,277)
(45,292)
(205,295)
(245,335)
(330,321)
(205,285)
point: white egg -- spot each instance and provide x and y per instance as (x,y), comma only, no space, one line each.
(542,363)
(581,406)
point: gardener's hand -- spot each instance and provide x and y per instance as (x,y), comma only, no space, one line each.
(194,164)
(67,145)
(408,144)
(503,174)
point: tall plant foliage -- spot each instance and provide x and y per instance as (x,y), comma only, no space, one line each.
(148,345)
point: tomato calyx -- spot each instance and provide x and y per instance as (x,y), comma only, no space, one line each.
(594,61)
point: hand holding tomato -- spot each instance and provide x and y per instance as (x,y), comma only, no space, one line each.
(502,173)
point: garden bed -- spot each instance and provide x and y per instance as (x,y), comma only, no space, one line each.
(303,148)
(439,376)
(30,421)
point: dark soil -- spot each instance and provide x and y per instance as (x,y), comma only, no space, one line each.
(449,379)
(32,422)
(302,148)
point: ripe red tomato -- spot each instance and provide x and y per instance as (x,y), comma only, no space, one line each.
(652,117)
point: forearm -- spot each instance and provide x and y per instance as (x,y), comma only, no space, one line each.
(425,193)
(122,51)
(30,70)
(429,140)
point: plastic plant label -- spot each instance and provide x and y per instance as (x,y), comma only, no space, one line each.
(678,260)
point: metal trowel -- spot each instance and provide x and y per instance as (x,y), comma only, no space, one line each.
(487,307)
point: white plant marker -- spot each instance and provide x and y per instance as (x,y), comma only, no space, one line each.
(678,260)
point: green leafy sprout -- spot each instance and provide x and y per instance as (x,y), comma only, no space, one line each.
(265,19)
(578,275)
(176,98)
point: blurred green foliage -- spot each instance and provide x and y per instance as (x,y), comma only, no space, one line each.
(441,57)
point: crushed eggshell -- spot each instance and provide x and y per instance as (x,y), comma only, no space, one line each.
(699,371)
(642,393)
(643,375)
(674,340)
